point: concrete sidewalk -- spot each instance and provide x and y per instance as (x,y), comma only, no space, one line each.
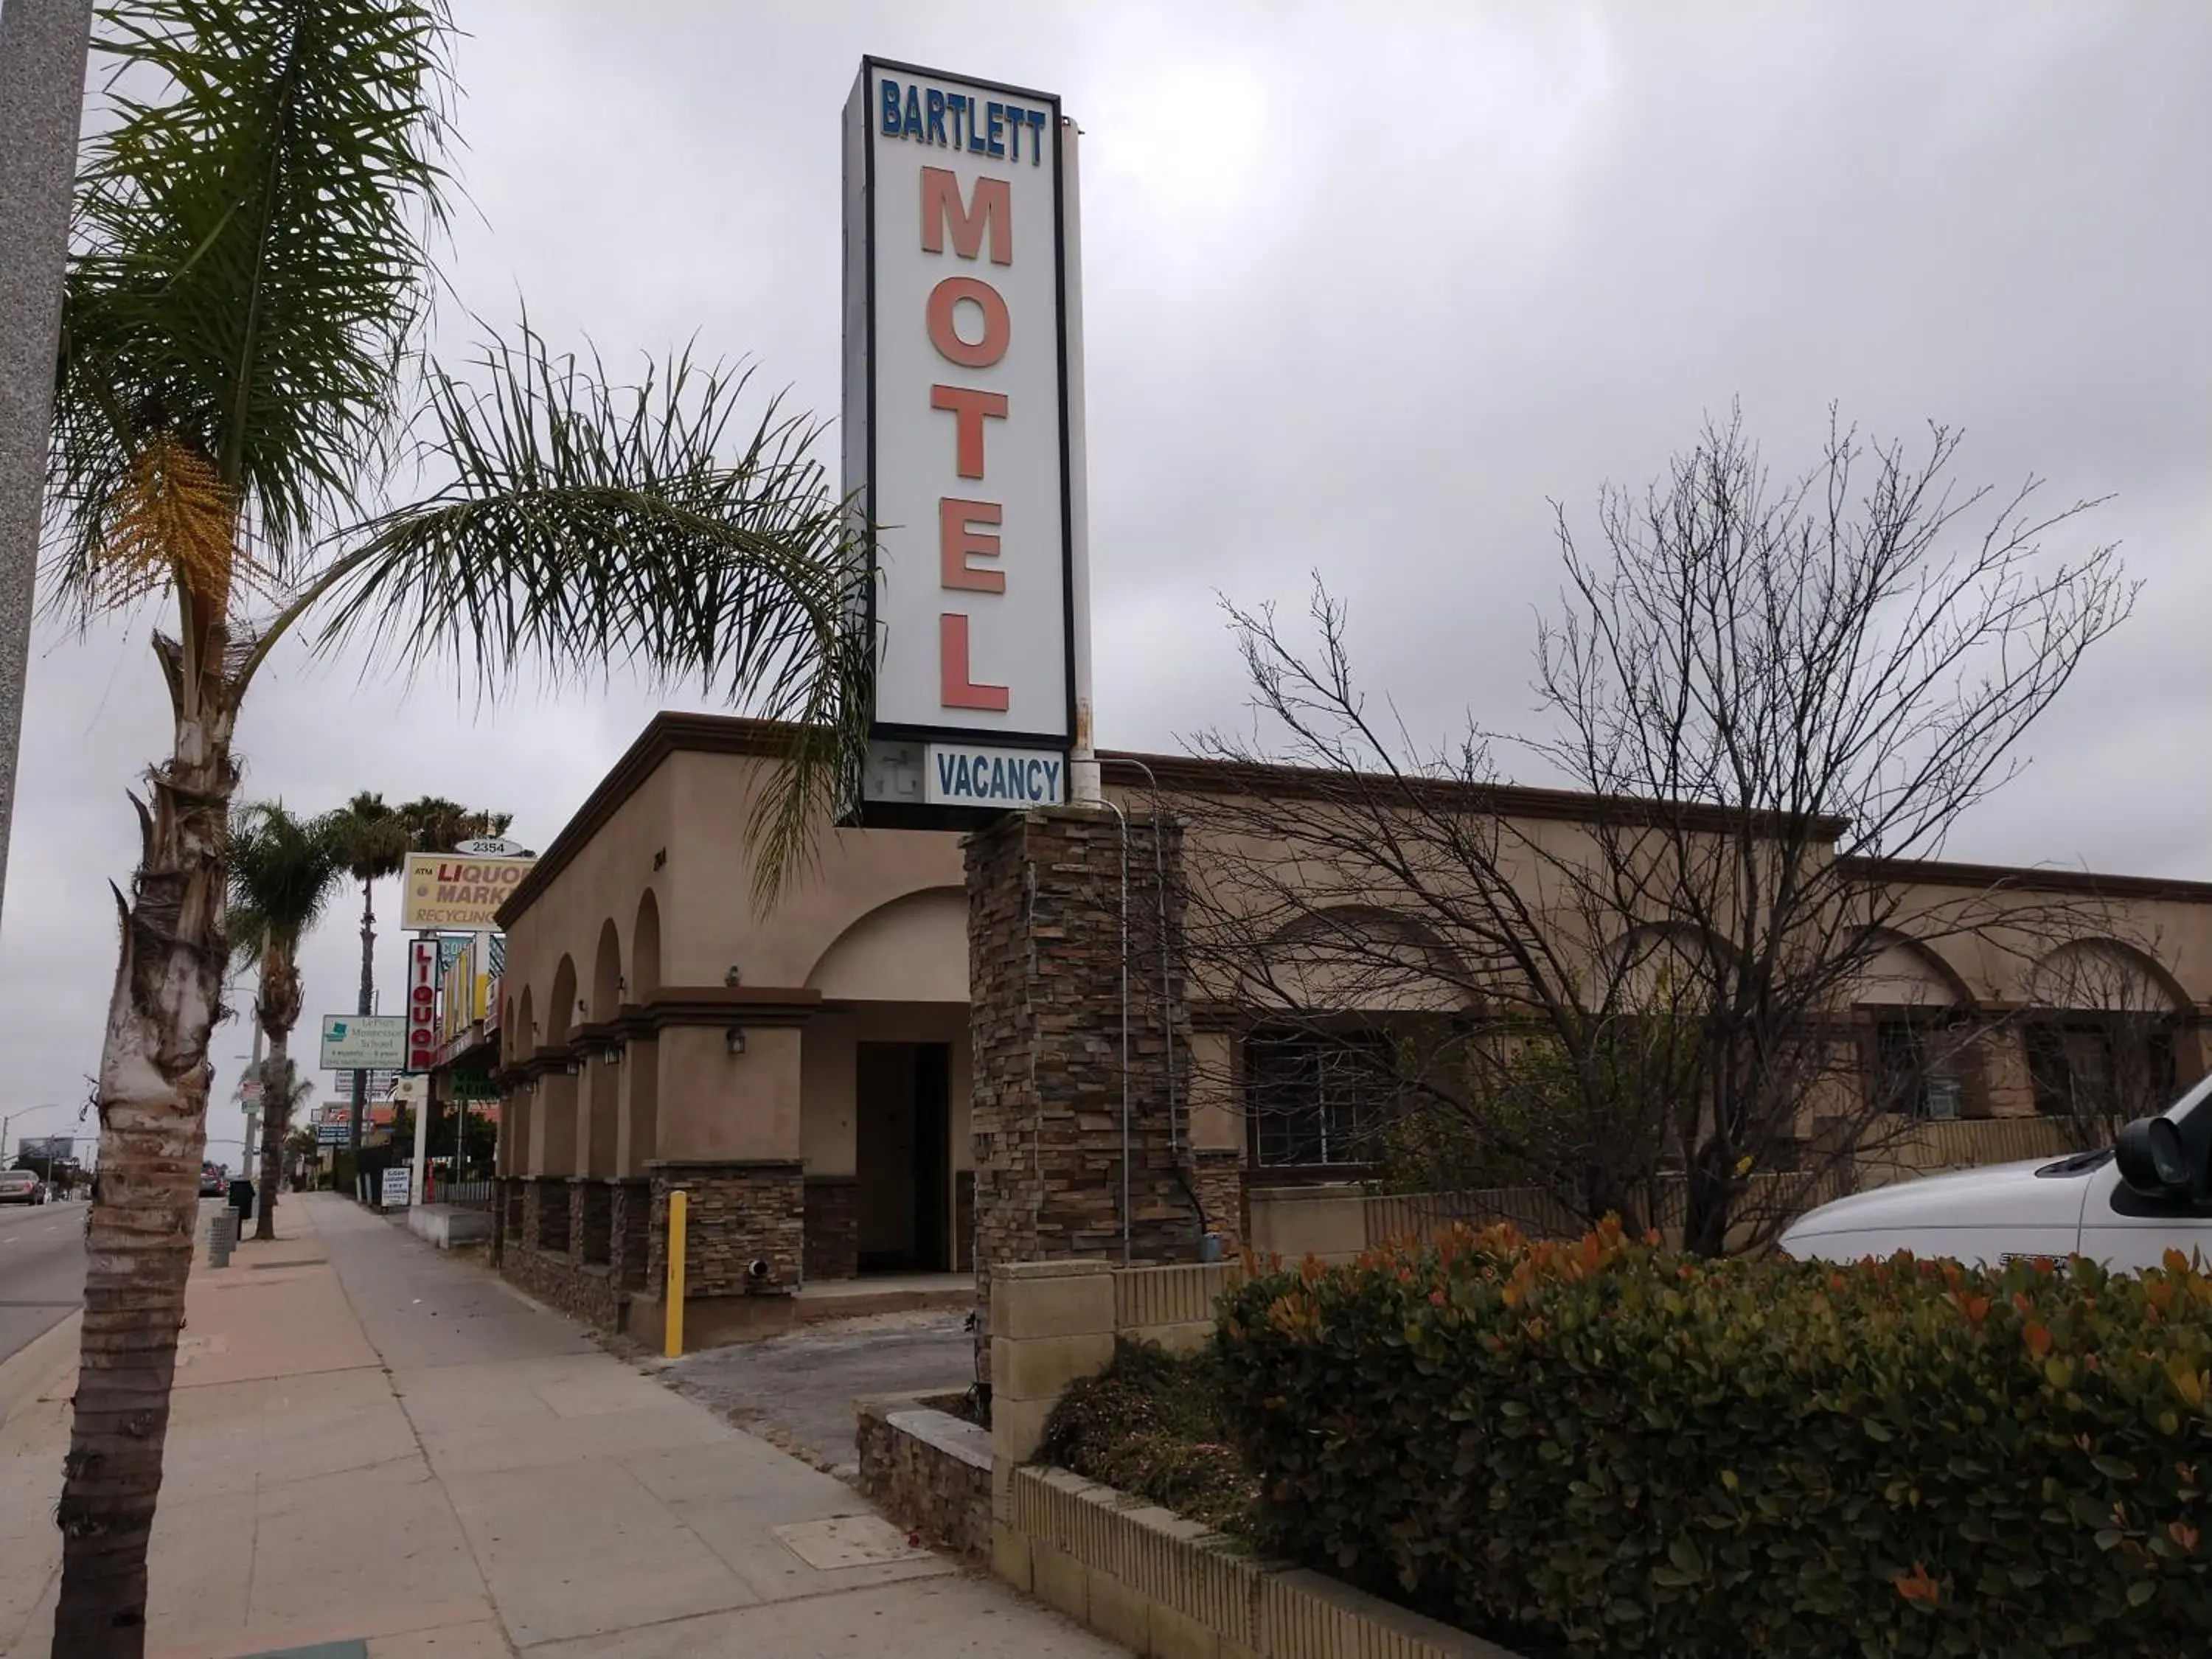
(379,1449)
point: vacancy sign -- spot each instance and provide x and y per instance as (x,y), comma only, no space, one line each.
(955,416)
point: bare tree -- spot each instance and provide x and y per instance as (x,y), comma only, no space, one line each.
(1766,700)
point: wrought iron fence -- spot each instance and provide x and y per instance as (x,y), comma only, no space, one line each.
(465,1195)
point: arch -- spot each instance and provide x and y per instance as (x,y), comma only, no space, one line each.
(522,1031)
(913,948)
(1901,971)
(607,974)
(560,1006)
(2104,975)
(1364,957)
(645,949)
(1633,968)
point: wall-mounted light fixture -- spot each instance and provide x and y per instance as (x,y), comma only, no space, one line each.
(735,1037)
(573,1067)
(621,984)
(733,975)
(611,1055)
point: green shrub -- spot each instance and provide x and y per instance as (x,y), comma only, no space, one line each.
(1150,1424)
(1604,1449)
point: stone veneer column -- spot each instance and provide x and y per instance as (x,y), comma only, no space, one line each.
(738,1213)
(1218,1174)
(1045,1020)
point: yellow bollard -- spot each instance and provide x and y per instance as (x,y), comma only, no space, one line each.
(678,1202)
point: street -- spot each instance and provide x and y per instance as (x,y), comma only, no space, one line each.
(41,1270)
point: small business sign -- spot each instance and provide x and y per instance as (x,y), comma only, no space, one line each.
(396,1186)
(491,846)
(966,775)
(958,449)
(458,893)
(422,1005)
(363,1042)
(471,1085)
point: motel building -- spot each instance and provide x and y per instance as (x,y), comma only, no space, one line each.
(807,1076)
(962,1037)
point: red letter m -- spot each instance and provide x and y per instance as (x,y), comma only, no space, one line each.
(941,205)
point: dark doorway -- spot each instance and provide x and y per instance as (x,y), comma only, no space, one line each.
(902,1124)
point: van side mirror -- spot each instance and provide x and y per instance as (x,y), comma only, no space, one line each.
(2152,1159)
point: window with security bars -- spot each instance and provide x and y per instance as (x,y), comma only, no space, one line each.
(2111,1069)
(1317,1100)
(1917,1071)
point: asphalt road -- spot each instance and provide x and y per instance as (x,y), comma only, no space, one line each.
(41,1269)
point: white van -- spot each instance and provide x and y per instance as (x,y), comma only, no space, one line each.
(2125,1207)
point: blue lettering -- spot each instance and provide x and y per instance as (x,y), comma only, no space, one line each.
(961,782)
(999,789)
(891,108)
(944,774)
(974,128)
(936,116)
(1014,129)
(1031,788)
(956,110)
(1052,779)
(1035,118)
(913,113)
(994,121)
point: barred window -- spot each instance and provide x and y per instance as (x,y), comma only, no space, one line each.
(2114,1068)
(1317,1100)
(1915,1073)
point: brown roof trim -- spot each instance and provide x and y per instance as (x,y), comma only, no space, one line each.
(1187,774)
(670,731)
(2039,878)
(664,734)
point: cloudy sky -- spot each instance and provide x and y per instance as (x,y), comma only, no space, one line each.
(1366,286)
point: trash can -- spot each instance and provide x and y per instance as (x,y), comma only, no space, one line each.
(241,1200)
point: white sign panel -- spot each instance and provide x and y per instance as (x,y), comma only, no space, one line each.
(395,1186)
(364,1042)
(956,414)
(966,775)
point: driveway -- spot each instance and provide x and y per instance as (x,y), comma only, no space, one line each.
(797,1390)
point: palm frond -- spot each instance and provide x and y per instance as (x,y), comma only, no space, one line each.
(283,870)
(587,522)
(251,265)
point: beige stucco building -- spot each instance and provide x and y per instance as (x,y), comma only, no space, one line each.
(811,1065)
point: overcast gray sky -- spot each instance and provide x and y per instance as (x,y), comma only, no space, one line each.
(1365,286)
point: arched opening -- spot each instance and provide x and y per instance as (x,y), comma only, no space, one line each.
(554,1145)
(2099,1030)
(1920,1058)
(913,948)
(607,983)
(645,950)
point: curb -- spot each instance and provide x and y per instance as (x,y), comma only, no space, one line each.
(25,1373)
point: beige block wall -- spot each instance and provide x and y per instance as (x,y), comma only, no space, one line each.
(1217,1108)
(637,1124)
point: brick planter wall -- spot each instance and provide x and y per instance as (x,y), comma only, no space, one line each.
(833,1227)
(587,1294)
(1045,967)
(929,1471)
(551,1235)
(739,1213)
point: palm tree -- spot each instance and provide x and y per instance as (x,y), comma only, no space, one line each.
(435,825)
(240,379)
(373,843)
(283,872)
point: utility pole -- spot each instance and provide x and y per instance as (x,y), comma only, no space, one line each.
(43,47)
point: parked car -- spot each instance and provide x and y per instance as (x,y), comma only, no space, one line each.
(214,1181)
(21,1186)
(2126,1205)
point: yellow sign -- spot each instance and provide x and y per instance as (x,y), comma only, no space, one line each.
(461,997)
(453,891)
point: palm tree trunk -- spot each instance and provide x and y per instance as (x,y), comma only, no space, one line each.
(276,1125)
(154,1076)
(367,1005)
